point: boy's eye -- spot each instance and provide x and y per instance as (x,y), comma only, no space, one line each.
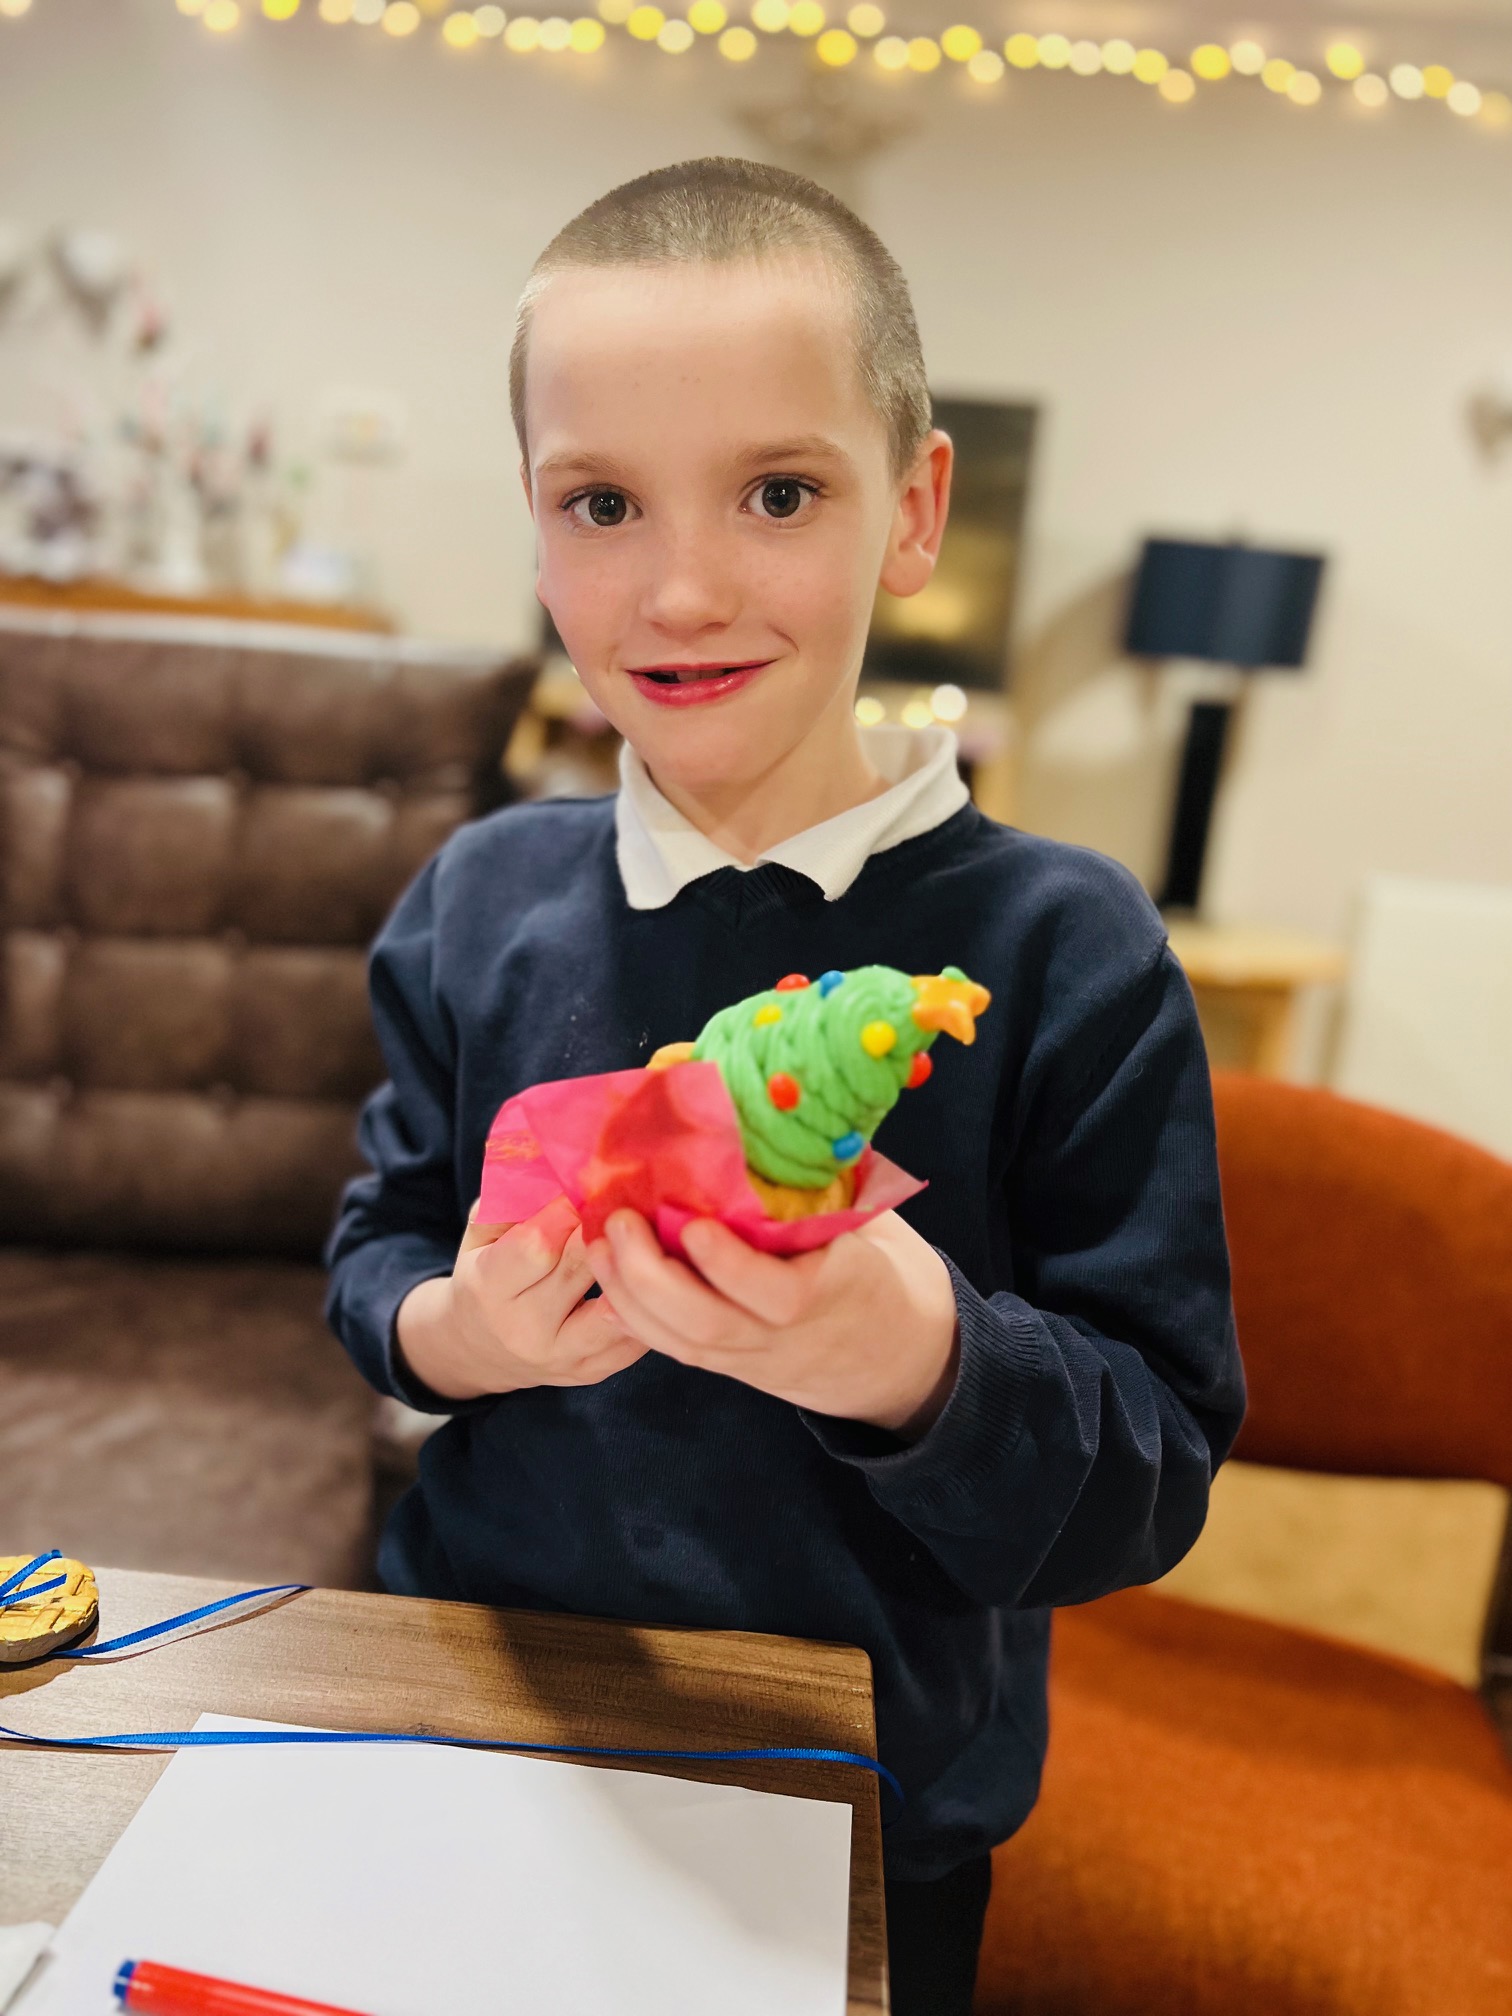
(602,507)
(783,496)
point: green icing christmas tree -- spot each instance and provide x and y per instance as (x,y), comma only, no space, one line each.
(813,1068)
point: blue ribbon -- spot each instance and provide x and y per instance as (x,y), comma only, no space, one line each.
(11,1590)
(149,1632)
(206,1739)
(14,1590)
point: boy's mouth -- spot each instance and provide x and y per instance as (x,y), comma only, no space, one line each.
(684,685)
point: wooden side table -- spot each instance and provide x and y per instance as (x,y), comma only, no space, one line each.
(334,1659)
(1246,980)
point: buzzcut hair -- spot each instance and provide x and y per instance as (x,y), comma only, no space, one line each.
(720,209)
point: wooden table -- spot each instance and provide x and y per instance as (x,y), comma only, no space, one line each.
(344,1661)
(1246,980)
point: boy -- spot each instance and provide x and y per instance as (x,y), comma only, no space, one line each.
(1010,1394)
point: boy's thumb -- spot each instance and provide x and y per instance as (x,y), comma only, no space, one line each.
(477,1235)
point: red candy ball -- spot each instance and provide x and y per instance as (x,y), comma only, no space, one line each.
(783,1091)
(919,1070)
(791,982)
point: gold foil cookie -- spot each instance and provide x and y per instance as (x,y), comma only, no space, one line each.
(39,1625)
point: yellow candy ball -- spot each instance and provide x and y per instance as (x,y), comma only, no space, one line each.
(770,1013)
(877,1038)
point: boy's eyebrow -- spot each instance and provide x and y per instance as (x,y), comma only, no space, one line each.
(802,448)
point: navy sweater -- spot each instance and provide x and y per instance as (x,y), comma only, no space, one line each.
(1073,1192)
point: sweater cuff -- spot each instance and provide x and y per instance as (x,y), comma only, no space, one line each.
(402,1264)
(942,1480)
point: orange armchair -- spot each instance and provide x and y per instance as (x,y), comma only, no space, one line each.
(1239,1817)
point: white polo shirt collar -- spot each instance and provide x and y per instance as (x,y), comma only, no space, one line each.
(660,852)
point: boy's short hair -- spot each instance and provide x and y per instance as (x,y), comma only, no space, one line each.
(720,208)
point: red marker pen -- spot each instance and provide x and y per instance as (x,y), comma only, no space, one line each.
(169,1991)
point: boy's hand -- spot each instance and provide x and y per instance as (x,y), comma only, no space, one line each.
(511,1313)
(865,1328)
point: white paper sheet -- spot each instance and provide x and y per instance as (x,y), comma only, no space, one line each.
(424,1881)
(20,1948)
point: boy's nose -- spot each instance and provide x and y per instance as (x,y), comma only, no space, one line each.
(690,589)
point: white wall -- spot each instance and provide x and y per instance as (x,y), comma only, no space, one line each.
(1237,315)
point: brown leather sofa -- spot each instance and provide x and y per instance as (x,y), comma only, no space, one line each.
(202,824)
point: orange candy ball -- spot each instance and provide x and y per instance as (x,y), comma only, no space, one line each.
(791,982)
(783,1091)
(919,1070)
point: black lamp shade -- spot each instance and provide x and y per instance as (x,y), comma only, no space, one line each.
(1235,604)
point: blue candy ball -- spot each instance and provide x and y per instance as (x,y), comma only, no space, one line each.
(848,1147)
(828,982)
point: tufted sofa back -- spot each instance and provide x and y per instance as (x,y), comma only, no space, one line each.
(202,825)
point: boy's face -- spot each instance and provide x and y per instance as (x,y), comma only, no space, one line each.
(711,489)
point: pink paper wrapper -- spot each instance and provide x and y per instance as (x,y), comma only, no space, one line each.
(665,1143)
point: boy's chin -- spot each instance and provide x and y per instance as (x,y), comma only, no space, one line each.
(704,756)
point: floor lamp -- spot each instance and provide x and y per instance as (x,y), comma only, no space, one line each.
(1231,605)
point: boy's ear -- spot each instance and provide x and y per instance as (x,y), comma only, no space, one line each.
(918,526)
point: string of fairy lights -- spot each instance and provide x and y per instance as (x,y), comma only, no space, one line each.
(863,35)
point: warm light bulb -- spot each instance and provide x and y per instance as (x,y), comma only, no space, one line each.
(707,16)
(1278,74)
(1371,91)
(1248,58)
(522,34)
(1305,88)
(1022,51)
(459,31)
(1150,66)
(1496,110)
(1177,86)
(986,67)
(556,33)
(1118,57)
(960,43)
(869,710)
(1407,81)
(1437,81)
(338,12)
(615,12)
(276,10)
(587,35)
(367,12)
(923,54)
(184,6)
(1465,98)
(836,47)
(866,20)
(14,9)
(1054,51)
(1345,61)
(645,23)
(1211,63)
(770,16)
(891,53)
(948,703)
(221,16)
(401,18)
(489,21)
(675,37)
(737,45)
(917,713)
(805,17)
(1085,59)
